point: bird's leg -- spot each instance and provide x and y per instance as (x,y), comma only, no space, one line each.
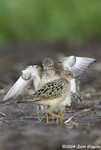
(42,117)
(47,113)
(58,116)
(38,110)
(59,119)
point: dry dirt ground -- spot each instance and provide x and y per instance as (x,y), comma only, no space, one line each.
(19,125)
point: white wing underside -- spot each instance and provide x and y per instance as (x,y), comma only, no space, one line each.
(18,88)
(29,75)
(21,84)
(73,86)
(77,65)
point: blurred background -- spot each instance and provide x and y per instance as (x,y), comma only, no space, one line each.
(72,21)
(35,29)
(31,30)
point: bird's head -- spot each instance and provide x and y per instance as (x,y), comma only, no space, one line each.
(48,63)
(68,75)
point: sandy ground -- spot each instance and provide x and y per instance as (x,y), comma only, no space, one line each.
(19,125)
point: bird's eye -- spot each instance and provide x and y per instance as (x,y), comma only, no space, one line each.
(70,74)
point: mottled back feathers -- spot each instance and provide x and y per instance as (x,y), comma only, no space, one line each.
(52,90)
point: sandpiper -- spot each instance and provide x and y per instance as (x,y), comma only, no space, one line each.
(51,94)
(29,75)
(77,65)
(49,73)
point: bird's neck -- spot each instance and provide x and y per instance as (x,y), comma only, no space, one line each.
(50,72)
(36,82)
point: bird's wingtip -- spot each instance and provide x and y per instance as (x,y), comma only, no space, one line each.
(5,99)
(94,60)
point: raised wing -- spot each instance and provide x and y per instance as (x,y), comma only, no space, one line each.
(29,75)
(77,65)
(18,88)
(21,84)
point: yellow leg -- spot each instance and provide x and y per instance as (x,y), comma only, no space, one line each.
(47,113)
(42,118)
(52,114)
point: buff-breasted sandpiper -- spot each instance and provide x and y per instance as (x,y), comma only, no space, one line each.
(49,73)
(51,94)
(77,65)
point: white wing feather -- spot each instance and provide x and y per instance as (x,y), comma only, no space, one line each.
(78,65)
(20,85)
(18,88)
(28,76)
(73,86)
